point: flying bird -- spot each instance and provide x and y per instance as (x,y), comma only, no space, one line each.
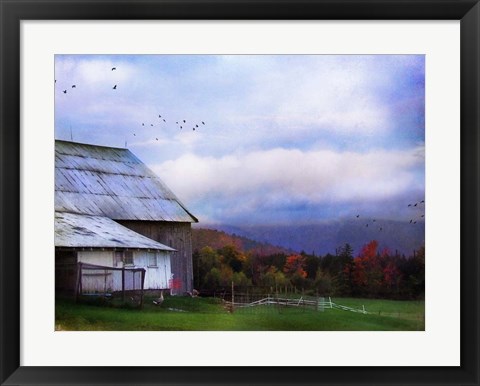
(151,124)
(181,127)
(64,91)
(411,221)
(409,204)
(156,139)
(114,68)
(366,225)
(74,86)
(416,204)
(358,215)
(115,87)
(196,125)
(380,229)
(143,124)
(184,121)
(203,123)
(164,120)
(422,202)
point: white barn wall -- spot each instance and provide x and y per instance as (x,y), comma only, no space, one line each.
(96,257)
(156,277)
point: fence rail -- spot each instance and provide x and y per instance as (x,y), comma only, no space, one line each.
(318,304)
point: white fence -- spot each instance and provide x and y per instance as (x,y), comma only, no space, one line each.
(319,304)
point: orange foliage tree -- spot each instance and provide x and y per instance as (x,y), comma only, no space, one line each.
(295,264)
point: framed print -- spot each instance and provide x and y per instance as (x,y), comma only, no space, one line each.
(197,192)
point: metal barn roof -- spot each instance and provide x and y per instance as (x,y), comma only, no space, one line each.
(84,231)
(112,182)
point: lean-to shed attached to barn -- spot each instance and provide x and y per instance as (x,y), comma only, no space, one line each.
(102,242)
(113,184)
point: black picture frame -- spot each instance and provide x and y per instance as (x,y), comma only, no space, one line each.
(14,11)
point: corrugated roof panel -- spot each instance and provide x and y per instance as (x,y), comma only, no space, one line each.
(84,231)
(112,182)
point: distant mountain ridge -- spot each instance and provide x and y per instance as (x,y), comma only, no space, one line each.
(323,238)
(217,239)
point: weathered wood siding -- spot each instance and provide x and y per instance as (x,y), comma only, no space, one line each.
(100,280)
(156,277)
(177,235)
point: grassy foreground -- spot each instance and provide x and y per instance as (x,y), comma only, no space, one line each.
(207,314)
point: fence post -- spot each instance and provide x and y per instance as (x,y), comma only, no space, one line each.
(105,283)
(330,300)
(277,306)
(143,281)
(123,284)
(303,297)
(78,281)
(233,298)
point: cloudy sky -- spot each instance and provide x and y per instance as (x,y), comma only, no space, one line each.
(287,138)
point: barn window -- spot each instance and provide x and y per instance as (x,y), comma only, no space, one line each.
(152,259)
(128,257)
(118,258)
(125,257)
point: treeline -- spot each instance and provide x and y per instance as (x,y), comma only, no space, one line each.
(216,239)
(372,273)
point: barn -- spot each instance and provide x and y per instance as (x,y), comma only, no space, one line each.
(112,210)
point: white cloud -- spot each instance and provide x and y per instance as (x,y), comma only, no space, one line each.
(289,176)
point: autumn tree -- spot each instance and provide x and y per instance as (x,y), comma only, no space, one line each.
(273,277)
(295,264)
(232,257)
(367,274)
(324,285)
(295,270)
(204,261)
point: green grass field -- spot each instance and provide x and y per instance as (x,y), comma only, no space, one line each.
(207,314)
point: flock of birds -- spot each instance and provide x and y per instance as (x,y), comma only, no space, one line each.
(413,220)
(182,123)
